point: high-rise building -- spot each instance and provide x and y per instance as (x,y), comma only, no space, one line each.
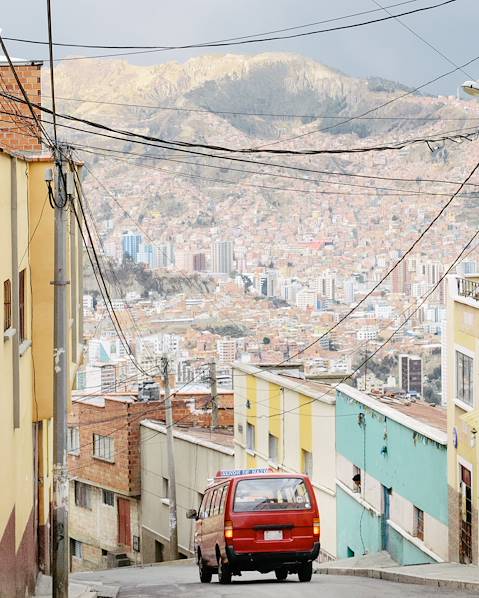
(467,267)
(199,262)
(401,278)
(222,257)
(131,244)
(306,298)
(410,373)
(268,283)
(166,255)
(348,291)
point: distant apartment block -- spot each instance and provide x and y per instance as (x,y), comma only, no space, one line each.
(226,350)
(222,257)
(411,374)
(131,244)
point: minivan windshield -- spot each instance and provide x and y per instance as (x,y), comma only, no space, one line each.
(271,494)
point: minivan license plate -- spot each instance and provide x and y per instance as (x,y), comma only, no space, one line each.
(274,534)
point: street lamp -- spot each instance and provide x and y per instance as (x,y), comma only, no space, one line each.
(471,87)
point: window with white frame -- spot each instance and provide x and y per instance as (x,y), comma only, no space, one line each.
(249,437)
(73,440)
(464,378)
(273,448)
(104,447)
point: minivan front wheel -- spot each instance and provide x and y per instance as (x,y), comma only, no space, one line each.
(224,572)
(305,571)
(205,572)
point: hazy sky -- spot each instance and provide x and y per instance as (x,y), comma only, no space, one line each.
(385,49)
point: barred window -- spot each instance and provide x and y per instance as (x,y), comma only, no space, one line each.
(104,447)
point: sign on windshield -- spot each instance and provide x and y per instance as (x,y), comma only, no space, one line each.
(271,494)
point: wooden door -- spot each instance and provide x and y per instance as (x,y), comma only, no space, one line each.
(124,526)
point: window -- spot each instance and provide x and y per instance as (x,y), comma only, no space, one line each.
(218,500)
(419,523)
(82,495)
(274,494)
(103,447)
(273,448)
(21,306)
(356,479)
(7,305)
(76,548)
(249,437)
(165,487)
(205,505)
(73,440)
(307,458)
(108,498)
(464,378)
(223,499)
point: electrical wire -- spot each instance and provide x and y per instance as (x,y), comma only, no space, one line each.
(348,16)
(242,42)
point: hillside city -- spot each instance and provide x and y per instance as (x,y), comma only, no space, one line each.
(240,305)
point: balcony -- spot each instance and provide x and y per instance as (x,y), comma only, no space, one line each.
(468,288)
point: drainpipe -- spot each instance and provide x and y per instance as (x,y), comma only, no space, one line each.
(15,293)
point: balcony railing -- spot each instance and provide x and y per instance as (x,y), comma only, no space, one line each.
(468,288)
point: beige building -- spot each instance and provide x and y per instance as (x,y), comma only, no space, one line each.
(199,455)
(288,424)
(461,384)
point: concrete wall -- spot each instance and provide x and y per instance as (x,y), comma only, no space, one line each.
(199,462)
(301,423)
(412,467)
(462,334)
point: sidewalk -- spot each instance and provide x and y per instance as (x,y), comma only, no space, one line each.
(76,588)
(381,566)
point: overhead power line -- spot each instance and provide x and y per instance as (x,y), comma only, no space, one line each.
(176,144)
(264,114)
(233,42)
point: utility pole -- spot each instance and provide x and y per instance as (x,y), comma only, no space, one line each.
(214,396)
(171,461)
(60,544)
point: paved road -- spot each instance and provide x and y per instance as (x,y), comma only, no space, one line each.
(181,581)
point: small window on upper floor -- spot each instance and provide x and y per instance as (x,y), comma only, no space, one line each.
(21,307)
(7,304)
(250,437)
(104,447)
(73,440)
(464,378)
(272,448)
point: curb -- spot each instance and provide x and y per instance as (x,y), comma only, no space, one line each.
(399,577)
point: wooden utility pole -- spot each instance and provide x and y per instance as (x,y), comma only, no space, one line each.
(214,396)
(171,461)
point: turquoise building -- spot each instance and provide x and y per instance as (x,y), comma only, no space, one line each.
(391,478)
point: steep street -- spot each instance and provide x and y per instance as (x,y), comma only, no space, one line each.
(178,581)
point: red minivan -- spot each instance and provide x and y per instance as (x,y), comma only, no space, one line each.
(255,520)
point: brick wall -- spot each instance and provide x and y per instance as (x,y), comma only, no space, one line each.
(17,134)
(121,420)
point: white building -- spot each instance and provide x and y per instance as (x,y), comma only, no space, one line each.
(367,333)
(306,298)
(226,350)
(201,454)
(222,257)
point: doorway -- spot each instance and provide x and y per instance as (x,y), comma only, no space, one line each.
(465,515)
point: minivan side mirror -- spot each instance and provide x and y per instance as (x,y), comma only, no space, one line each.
(192,514)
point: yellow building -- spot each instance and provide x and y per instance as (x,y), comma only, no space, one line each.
(460,385)
(288,423)
(26,364)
